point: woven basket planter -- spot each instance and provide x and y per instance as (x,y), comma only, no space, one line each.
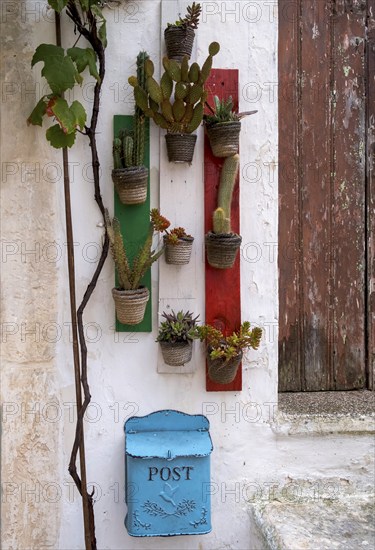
(179,42)
(224,138)
(221,371)
(131,184)
(222,249)
(180,147)
(130,305)
(176,354)
(179,253)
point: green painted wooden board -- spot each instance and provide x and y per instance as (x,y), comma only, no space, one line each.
(134,221)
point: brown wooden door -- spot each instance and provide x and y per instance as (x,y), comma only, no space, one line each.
(326,190)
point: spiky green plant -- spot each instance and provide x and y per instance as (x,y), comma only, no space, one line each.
(221,216)
(226,347)
(191,18)
(129,275)
(133,143)
(180,112)
(223,112)
(178,327)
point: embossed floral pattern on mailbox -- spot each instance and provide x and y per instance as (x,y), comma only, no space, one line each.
(168,474)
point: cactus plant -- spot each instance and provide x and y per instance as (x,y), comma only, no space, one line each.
(180,112)
(222,244)
(221,216)
(177,103)
(130,176)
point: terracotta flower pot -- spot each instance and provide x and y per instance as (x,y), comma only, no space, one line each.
(176,354)
(179,253)
(179,42)
(131,184)
(222,249)
(130,305)
(180,147)
(223,371)
(224,138)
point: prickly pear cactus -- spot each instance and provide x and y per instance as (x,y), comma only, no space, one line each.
(177,103)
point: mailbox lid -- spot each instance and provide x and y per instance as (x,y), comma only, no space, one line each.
(168,434)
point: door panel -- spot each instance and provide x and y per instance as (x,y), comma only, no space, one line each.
(322,221)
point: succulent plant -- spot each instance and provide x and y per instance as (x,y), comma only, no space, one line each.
(129,146)
(224,112)
(174,235)
(129,276)
(177,103)
(227,347)
(180,327)
(191,18)
(221,216)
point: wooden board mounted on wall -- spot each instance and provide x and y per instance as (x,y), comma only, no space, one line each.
(223,298)
(134,222)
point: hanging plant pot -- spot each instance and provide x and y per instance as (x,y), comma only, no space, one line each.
(176,354)
(180,147)
(179,42)
(222,249)
(131,184)
(224,138)
(223,371)
(130,305)
(179,253)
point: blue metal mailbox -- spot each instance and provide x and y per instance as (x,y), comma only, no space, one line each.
(167,467)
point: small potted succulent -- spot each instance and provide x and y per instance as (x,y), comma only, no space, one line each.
(222,244)
(224,353)
(178,246)
(176,336)
(177,103)
(223,127)
(129,175)
(179,36)
(130,297)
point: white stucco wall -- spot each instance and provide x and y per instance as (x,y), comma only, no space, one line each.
(123,373)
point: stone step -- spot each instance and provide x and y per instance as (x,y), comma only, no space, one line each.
(343,524)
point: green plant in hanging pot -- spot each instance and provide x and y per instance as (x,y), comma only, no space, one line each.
(129,175)
(223,127)
(177,103)
(224,353)
(130,296)
(178,246)
(179,36)
(222,244)
(176,335)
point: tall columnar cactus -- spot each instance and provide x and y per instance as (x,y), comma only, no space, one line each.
(132,144)
(139,118)
(221,216)
(183,113)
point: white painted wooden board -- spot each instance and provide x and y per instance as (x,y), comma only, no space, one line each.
(181,201)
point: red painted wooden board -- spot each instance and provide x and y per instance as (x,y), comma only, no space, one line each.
(223,298)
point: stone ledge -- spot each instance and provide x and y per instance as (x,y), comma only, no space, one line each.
(325,413)
(325,524)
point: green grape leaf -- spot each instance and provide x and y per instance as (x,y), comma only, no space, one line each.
(36,117)
(84,58)
(58,138)
(65,117)
(79,113)
(58,5)
(59,70)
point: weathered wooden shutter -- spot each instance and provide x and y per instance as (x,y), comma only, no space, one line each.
(326,189)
